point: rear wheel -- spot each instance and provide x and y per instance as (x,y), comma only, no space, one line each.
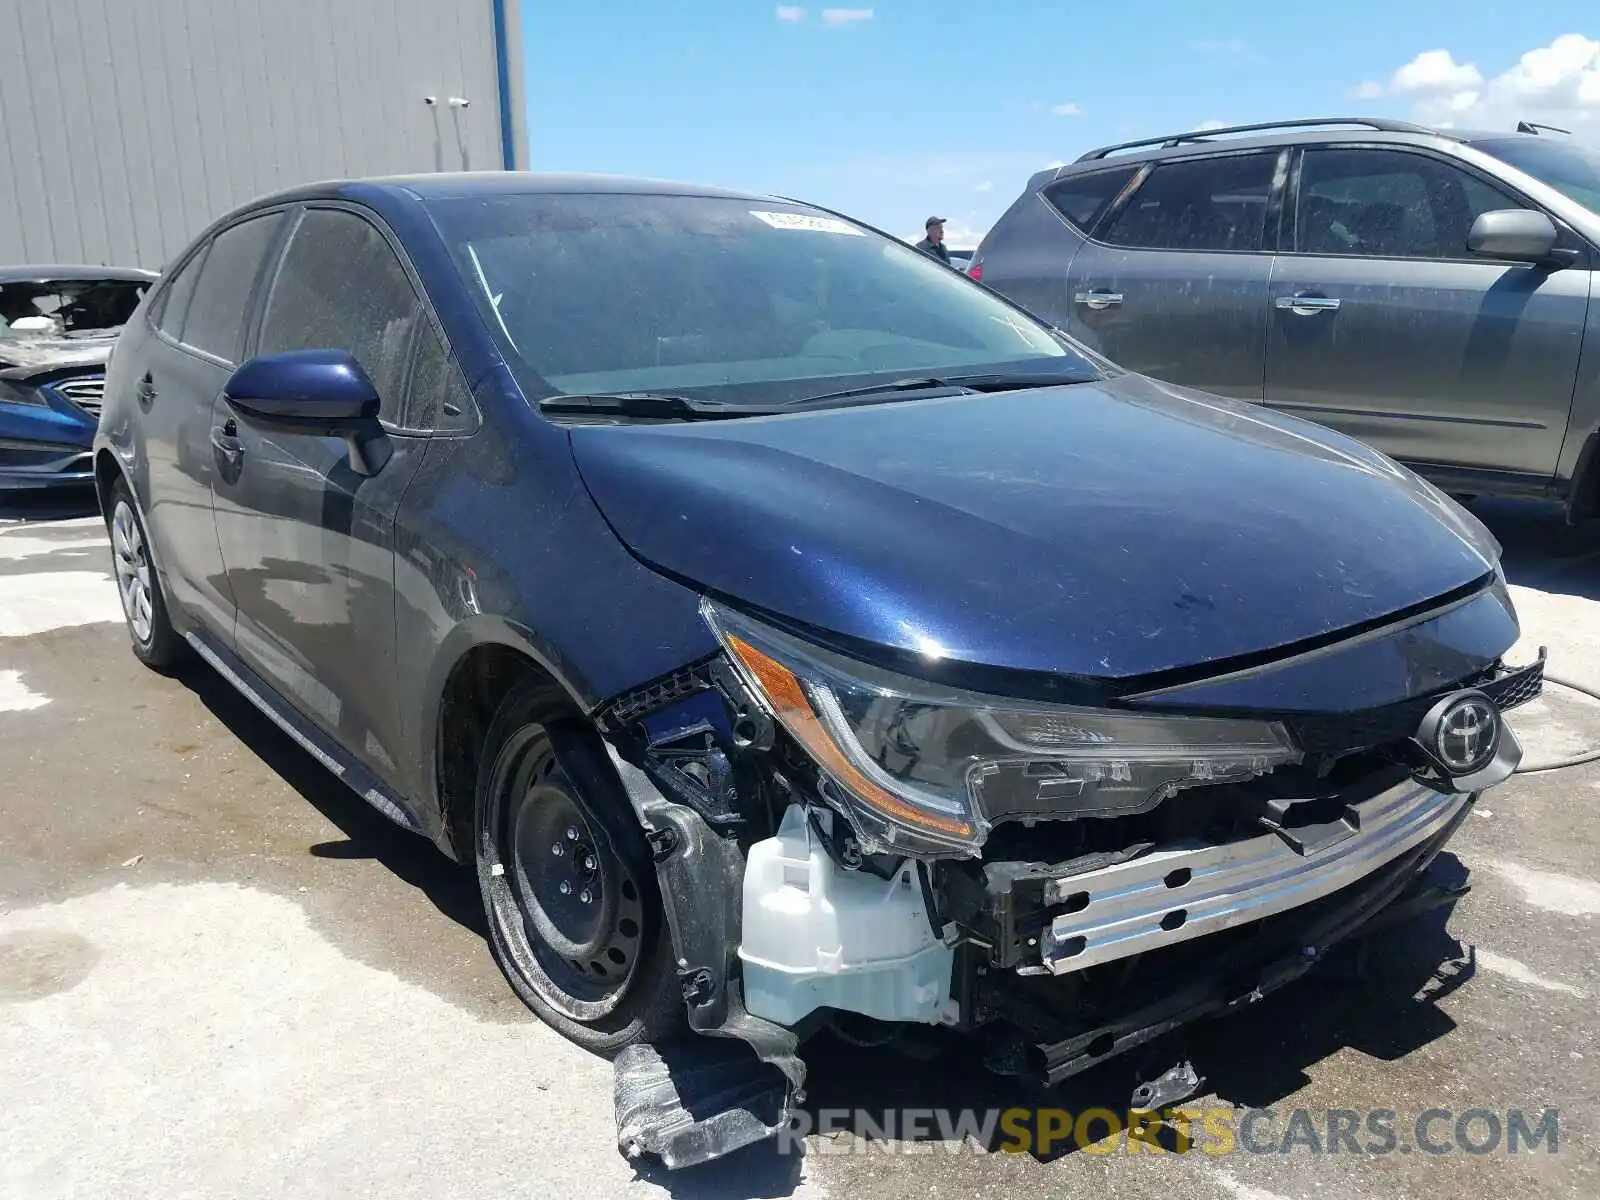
(575,917)
(155,642)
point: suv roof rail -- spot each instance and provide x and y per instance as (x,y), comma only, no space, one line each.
(1382,124)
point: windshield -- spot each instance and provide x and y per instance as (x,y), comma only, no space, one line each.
(1571,170)
(55,308)
(752,301)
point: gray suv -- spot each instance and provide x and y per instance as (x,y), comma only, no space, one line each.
(1428,291)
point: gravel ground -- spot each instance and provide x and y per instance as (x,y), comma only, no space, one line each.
(222,975)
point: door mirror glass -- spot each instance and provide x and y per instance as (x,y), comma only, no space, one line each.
(1520,234)
(319,393)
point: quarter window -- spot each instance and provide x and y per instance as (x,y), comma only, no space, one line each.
(342,287)
(1081,199)
(214,320)
(1199,204)
(1388,204)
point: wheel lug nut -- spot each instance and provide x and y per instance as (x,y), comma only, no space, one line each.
(558,849)
(572,833)
(588,863)
(585,896)
(566,888)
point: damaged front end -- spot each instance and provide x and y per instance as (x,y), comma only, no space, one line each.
(835,838)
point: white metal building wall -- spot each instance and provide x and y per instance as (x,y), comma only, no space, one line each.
(127,125)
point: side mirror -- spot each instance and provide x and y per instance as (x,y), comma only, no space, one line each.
(320,393)
(1519,234)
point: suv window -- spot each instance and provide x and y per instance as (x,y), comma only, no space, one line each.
(1081,199)
(342,287)
(1388,204)
(214,321)
(1199,204)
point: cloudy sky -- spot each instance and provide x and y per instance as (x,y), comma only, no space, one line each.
(913,107)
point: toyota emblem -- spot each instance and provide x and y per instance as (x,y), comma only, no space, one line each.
(1466,733)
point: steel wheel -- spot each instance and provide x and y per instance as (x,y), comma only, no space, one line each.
(579,900)
(132,565)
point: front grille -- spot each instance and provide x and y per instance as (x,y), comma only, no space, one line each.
(1345,732)
(87,392)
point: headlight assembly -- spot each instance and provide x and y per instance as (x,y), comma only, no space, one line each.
(928,769)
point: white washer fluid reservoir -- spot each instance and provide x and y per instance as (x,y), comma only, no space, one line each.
(816,935)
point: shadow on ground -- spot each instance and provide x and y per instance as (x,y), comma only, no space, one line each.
(52,505)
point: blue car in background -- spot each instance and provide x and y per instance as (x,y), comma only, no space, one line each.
(57,327)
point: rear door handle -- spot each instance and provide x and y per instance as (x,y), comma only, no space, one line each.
(146,392)
(1306,304)
(1098,299)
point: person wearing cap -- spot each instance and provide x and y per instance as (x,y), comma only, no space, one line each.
(934,243)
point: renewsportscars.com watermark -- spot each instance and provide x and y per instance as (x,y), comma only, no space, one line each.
(1216,1131)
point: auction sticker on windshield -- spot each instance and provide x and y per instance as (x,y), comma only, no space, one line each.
(785,220)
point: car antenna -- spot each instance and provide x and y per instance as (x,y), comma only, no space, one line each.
(1535,127)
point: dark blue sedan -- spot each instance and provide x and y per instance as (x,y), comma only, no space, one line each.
(57,327)
(792,633)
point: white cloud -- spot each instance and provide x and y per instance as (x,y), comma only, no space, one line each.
(846,16)
(1071,109)
(1370,89)
(791,13)
(1054,165)
(985,186)
(1210,123)
(1558,84)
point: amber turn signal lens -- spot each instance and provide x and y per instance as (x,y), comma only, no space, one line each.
(793,707)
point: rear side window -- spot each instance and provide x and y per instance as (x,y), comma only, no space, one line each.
(341,287)
(173,303)
(1199,204)
(1388,204)
(1082,198)
(216,315)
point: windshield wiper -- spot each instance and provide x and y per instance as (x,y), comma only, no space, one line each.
(996,381)
(658,405)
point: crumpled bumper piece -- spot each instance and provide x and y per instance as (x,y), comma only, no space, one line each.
(1184,892)
(693,1101)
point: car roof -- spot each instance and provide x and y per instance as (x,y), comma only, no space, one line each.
(75,273)
(443,185)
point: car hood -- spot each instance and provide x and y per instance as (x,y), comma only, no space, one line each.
(1109,530)
(25,356)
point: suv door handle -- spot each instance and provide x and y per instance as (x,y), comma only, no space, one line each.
(146,391)
(1306,304)
(1098,299)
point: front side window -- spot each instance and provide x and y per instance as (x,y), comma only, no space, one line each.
(216,312)
(749,301)
(341,287)
(1388,204)
(1217,204)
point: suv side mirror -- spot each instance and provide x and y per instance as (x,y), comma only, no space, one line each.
(1520,234)
(320,393)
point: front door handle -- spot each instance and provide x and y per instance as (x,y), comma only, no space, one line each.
(227,447)
(1306,304)
(1098,299)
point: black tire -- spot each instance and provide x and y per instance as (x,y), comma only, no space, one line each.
(594,959)
(144,606)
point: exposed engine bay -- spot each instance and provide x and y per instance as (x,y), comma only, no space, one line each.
(836,841)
